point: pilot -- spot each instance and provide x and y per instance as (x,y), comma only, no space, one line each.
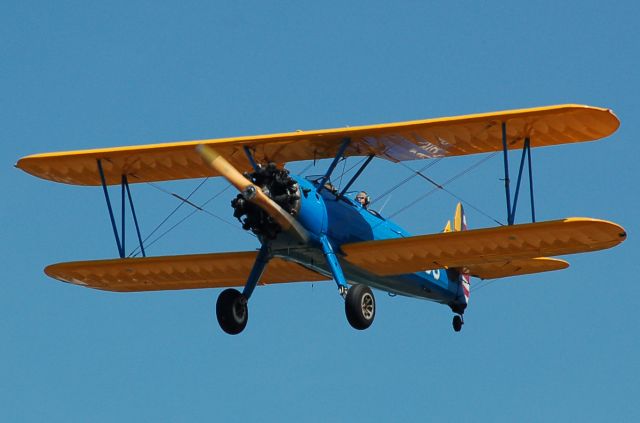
(363,198)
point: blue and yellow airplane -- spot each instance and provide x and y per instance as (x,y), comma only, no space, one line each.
(309,231)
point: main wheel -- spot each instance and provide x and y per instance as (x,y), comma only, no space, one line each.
(360,306)
(457,323)
(232,311)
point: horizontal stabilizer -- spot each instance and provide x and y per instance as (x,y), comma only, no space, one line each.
(418,139)
(484,247)
(516,267)
(177,272)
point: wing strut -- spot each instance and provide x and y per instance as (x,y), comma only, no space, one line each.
(526,151)
(133,214)
(124,187)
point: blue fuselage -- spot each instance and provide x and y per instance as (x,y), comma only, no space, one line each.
(342,220)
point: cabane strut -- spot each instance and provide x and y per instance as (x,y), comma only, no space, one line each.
(332,166)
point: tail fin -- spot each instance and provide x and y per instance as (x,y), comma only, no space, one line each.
(459,221)
(460,224)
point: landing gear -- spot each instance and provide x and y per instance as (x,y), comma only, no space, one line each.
(360,306)
(457,322)
(232,311)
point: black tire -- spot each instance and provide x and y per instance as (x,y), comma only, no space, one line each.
(457,323)
(360,306)
(232,311)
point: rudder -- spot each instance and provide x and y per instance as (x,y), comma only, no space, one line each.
(464,279)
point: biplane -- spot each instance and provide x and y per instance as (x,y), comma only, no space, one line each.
(310,231)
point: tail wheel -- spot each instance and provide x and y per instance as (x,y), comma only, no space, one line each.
(457,323)
(232,311)
(360,306)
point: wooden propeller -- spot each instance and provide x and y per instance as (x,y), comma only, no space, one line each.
(252,192)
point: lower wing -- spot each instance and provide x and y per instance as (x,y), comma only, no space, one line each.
(177,272)
(488,253)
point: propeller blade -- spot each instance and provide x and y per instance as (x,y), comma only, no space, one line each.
(252,192)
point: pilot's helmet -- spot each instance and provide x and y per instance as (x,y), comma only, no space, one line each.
(363,198)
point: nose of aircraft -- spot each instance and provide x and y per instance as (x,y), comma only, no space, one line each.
(252,192)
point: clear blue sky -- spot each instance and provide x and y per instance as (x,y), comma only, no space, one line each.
(552,347)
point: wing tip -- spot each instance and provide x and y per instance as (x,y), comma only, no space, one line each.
(611,227)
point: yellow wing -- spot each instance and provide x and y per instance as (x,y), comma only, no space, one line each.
(177,272)
(488,253)
(420,139)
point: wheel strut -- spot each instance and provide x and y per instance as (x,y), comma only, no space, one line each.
(334,266)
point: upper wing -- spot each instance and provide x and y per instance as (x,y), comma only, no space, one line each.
(420,139)
(177,272)
(492,252)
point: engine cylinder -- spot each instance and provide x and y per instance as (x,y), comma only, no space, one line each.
(280,187)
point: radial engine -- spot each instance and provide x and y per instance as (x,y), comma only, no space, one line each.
(280,187)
